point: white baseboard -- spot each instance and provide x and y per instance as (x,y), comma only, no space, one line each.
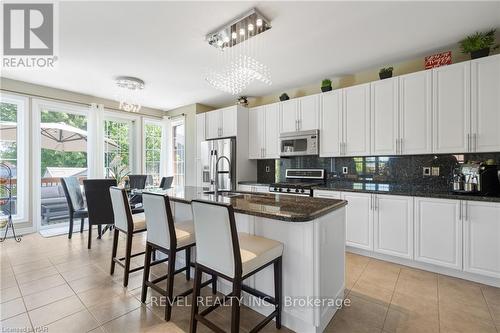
(428,267)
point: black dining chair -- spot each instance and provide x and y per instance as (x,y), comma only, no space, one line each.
(166,182)
(76,204)
(99,204)
(137,181)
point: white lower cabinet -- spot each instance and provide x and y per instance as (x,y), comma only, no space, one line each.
(393,225)
(359,220)
(327,194)
(438,232)
(482,238)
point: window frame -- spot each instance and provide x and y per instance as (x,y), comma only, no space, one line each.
(151,121)
(22,164)
(173,123)
(134,139)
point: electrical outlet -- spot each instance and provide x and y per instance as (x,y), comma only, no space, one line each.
(345,170)
(435,171)
(426,171)
(268,169)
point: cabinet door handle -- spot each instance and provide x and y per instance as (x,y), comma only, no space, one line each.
(466,211)
(460,211)
(371,202)
(474,145)
(468,142)
(397,146)
(401,146)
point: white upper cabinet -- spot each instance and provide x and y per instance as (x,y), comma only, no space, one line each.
(385,117)
(229,121)
(415,96)
(393,225)
(212,124)
(263,129)
(451,108)
(221,123)
(359,220)
(271,134)
(256,128)
(330,134)
(485,101)
(438,232)
(299,114)
(288,115)
(308,113)
(356,120)
(482,238)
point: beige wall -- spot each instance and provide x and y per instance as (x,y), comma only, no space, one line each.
(35,90)
(404,67)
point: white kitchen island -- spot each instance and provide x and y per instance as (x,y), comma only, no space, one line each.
(313,233)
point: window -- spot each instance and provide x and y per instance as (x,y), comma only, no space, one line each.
(13,153)
(117,144)
(178,151)
(152,150)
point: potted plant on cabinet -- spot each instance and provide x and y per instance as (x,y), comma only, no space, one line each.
(326,85)
(479,44)
(284,97)
(385,73)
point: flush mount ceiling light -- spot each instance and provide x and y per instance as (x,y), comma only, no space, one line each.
(129,82)
(237,63)
(129,95)
(244,27)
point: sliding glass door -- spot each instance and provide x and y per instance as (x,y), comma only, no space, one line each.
(61,150)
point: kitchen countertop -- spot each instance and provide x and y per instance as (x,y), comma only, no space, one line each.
(399,189)
(278,207)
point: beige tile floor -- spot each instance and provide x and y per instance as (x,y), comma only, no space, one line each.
(57,285)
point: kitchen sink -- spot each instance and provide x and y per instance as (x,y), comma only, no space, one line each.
(227,194)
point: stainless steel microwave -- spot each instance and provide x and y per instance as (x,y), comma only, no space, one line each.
(299,143)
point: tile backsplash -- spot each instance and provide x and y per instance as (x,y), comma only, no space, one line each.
(380,169)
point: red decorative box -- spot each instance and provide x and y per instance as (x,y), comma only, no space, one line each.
(437,60)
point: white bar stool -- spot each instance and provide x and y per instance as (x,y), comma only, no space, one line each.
(169,238)
(234,257)
(128,224)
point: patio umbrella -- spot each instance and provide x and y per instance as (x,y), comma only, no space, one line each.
(56,136)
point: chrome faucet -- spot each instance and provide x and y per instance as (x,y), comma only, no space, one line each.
(216,181)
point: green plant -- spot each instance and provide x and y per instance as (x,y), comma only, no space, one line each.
(478,41)
(118,170)
(386,70)
(326,83)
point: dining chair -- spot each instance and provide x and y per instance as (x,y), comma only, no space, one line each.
(233,256)
(76,204)
(137,181)
(166,182)
(99,204)
(128,224)
(169,237)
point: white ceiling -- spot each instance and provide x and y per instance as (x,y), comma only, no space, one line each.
(163,43)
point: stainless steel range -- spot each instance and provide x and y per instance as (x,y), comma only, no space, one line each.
(299,182)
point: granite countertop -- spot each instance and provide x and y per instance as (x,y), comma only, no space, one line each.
(273,206)
(402,189)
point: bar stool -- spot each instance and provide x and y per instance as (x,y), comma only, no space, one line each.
(233,256)
(128,224)
(167,237)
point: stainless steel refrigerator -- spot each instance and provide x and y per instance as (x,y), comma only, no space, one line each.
(211,151)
